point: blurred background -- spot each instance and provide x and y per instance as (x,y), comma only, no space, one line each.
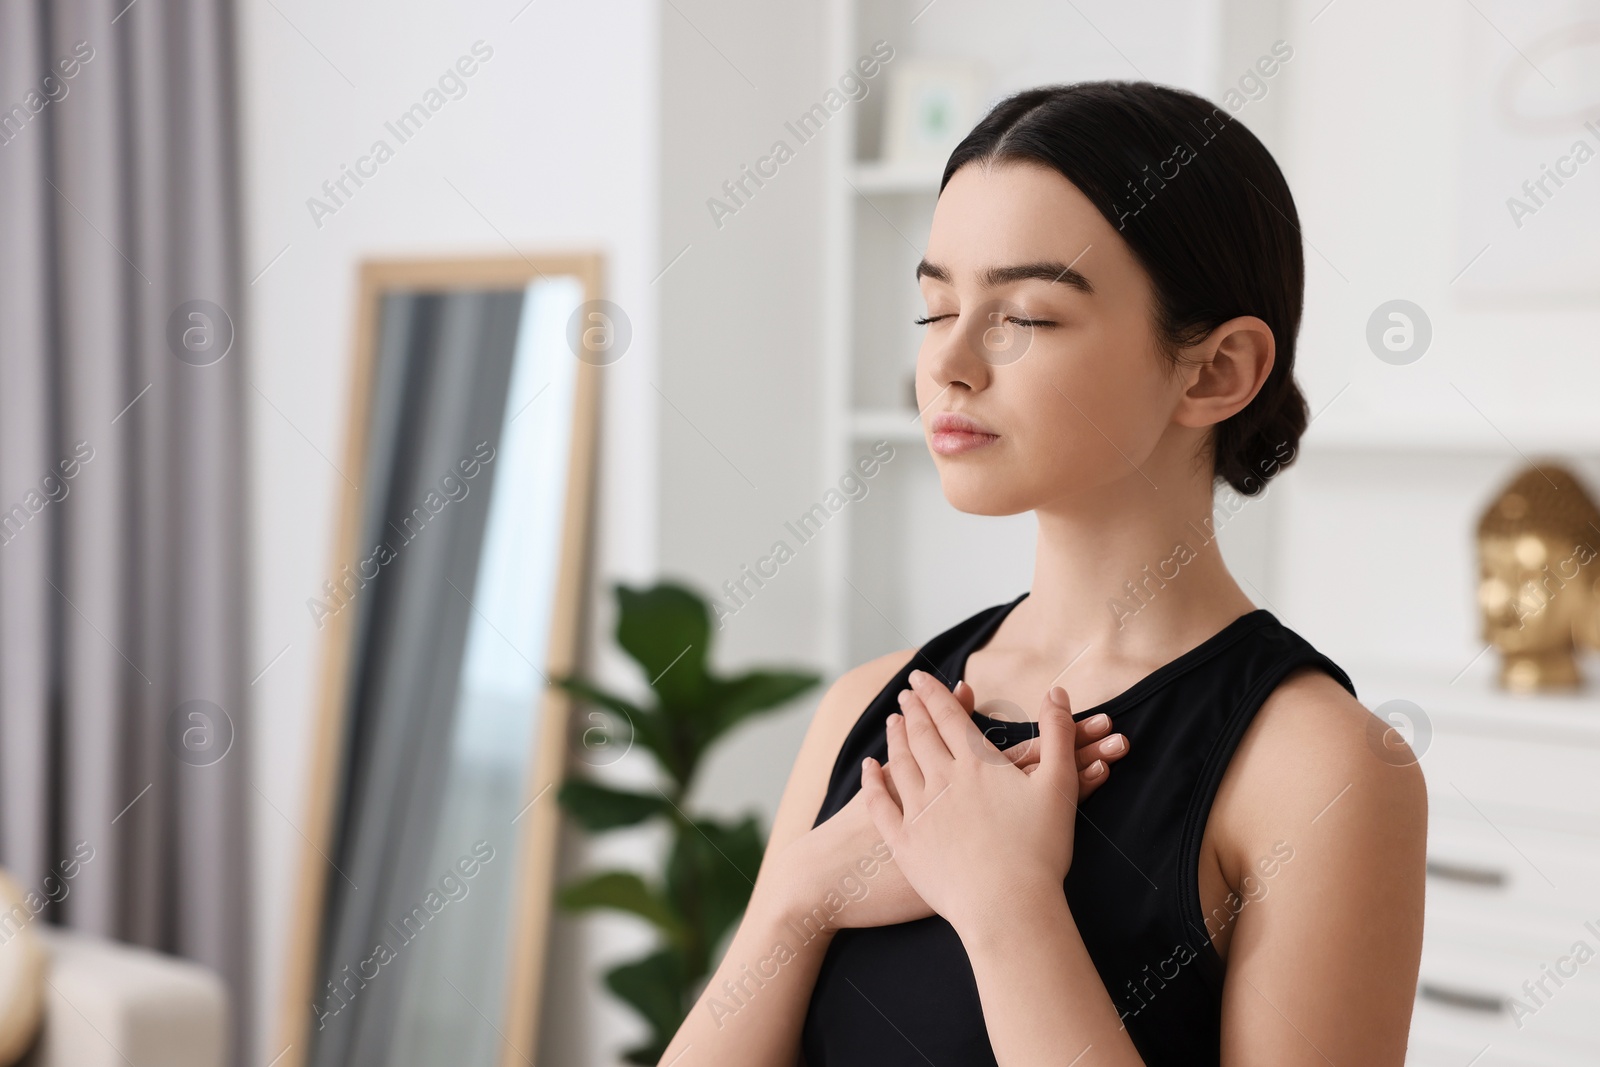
(192,412)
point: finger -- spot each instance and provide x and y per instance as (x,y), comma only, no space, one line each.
(1091,778)
(927,745)
(1024,755)
(953,721)
(1093,729)
(1110,750)
(964,693)
(894,787)
(902,764)
(1056,737)
(886,814)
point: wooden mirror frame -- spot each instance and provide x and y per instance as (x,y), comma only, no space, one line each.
(533,885)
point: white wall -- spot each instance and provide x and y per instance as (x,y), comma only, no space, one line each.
(740,344)
(552,148)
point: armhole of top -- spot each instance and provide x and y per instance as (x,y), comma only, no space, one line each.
(845,743)
(1191,911)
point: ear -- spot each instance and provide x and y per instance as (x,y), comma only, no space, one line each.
(1225,371)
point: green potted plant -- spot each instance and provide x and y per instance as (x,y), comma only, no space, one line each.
(711,864)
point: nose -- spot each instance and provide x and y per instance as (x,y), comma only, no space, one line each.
(965,354)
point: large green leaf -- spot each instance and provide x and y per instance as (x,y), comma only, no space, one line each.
(711,872)
(735,699)
(625,710)
(629,723)
(667,630)
(597,807)
(622,891)
(655,987)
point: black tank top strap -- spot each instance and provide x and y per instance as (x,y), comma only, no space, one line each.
(884,993)
(1273,654)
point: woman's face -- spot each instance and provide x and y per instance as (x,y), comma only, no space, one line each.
(1042,334)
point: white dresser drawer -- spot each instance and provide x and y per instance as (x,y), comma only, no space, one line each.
(1435,1043)
(1476,997)
(1505,868)
(1438,1045)
(1514,868)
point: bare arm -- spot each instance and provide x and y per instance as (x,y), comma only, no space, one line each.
(719,1029)
(1043,1000)
(1335,934)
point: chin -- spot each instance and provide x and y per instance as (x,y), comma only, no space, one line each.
(983,490)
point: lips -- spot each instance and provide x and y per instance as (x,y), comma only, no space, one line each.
(953,434)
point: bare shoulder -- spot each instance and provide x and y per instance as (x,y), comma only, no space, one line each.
(1311,749)
(836,713)
(1320,825)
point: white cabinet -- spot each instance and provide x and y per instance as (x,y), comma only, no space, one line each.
(1511,945)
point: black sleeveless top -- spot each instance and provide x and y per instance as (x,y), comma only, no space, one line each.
(905,994)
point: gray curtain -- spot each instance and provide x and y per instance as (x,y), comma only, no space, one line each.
(444,366)
(122,538)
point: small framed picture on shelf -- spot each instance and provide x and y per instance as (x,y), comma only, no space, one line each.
(932,105)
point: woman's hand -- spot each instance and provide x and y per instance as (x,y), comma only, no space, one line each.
(970,828)
(847,857)
(1098,748)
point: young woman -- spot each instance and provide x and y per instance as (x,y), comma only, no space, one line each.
(1113,284)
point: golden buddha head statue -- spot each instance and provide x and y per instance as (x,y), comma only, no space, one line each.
(1537,546)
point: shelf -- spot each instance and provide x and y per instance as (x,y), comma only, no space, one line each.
(889,424)
(1440,438)
(896,178)
(1473,703)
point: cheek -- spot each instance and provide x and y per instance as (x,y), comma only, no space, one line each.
(1075,419)
(1090,411)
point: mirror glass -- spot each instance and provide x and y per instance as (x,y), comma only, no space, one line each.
(452,604)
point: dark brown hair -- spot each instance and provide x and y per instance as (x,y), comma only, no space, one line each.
(1206,212)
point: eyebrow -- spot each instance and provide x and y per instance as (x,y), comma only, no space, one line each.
(1049,271)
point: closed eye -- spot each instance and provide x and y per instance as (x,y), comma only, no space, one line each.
(1014,320)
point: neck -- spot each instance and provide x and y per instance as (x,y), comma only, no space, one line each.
(1134,571)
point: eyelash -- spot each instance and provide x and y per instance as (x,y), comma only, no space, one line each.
(1020,322)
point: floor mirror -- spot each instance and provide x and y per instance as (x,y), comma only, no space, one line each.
(453,596)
